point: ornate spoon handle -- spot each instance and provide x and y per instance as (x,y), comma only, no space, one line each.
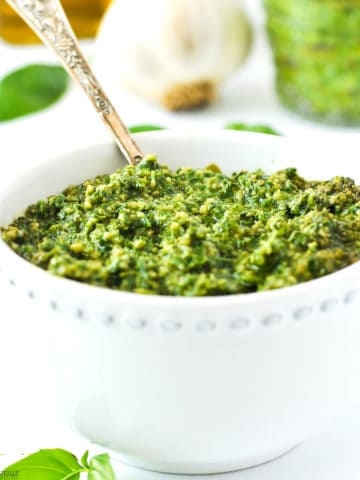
(48,20)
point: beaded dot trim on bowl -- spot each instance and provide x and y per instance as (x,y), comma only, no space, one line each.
(204,326)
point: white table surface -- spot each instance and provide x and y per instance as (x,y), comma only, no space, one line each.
(28,419)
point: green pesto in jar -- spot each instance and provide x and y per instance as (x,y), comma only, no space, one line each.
(191,232)
(316,46)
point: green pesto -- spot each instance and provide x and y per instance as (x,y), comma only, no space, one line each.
(316,47)
(193,232)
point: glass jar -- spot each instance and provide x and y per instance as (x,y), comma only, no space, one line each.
(84,16)
(316,47)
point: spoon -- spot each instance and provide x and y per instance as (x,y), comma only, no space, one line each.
(49,21)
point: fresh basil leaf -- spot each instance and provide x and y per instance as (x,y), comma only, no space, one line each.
(59,464)
(100,468)
(85,459)
(251,128)
(45,465)
(145,128)
(31,89)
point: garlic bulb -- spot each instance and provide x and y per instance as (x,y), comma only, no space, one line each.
(174,52)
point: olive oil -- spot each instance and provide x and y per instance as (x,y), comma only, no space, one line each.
(84,16)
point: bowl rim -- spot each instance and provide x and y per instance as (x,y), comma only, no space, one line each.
(99,293)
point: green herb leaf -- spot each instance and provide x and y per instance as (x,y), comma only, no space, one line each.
(31,89)
(100,468)
(45,465)
(145,128)
(85,459)
(230,126)
(251,128)
(59,465)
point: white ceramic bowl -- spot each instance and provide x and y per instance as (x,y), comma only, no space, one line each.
(195,385)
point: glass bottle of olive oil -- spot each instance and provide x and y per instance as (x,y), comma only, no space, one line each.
(84,16)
